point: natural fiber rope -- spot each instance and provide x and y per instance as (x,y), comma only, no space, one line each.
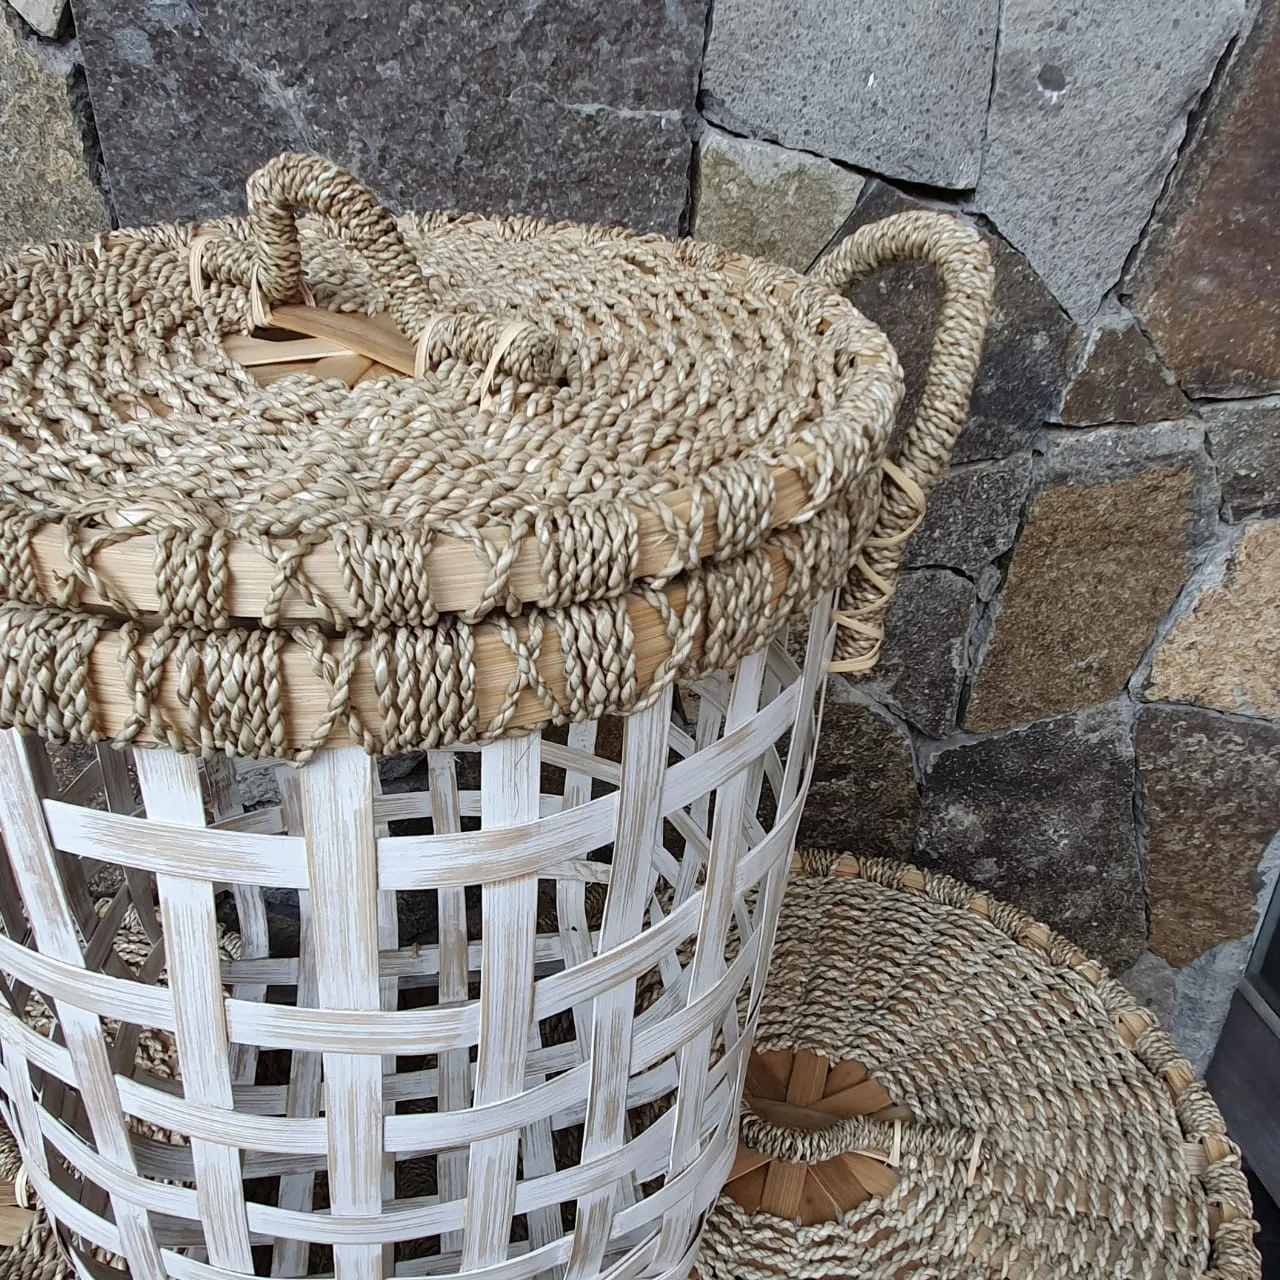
(569,378)
(963,264)
(1051,1117)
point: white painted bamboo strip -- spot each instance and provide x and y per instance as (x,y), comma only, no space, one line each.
(304,1091)
(510,775)
(708,965)
(412,965)
(532,848)
(337,818)
(171,792)
(268,821)
(576,939)
(432,1030)
(389,998)
(251,912)
(33,860)
(563,1097)
(456,959)
(639,831)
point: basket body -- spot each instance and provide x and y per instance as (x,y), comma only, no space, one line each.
(513,1043)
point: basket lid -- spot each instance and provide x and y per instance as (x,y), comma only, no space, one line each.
(567,462)
(546,413)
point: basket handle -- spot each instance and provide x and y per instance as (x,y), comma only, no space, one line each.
(959,255)
(295,181)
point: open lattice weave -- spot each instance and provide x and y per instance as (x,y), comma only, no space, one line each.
(584,463)
(492,1022)
(1052,1128)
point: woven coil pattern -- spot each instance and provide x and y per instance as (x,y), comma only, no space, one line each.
(495,1023)
(1056,1131)
(620,462)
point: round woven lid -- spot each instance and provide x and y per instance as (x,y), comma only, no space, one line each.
(648,454)
(1017,1115)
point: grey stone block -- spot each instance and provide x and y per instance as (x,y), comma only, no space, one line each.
(1245,440)
(863,793)
(901,89)
(972,517)
(574,110)
(921,672)
(1090,104)
(45,16)
(1043,817)
(768,201)
(47,193)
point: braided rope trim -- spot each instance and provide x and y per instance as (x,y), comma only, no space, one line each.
(131,430)
(757,1245)
(282,693)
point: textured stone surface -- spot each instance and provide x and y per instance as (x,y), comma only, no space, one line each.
(1245,439)
(1151,982)
(1024,364)
(1119,378)
(1226,654)
(902,89)
(1210,787)
(767,201)
(1043,817)
(1203,989)
(47,193)
(570,110)
(46,16)
(1201,288)
(972,517)
(863,794)
(922,668)
(1087,112)
(1099,563)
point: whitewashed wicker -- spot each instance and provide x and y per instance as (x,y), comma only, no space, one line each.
(513,1044)
(555,1037)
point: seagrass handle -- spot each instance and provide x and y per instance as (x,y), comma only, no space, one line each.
(297,181)
(960,257)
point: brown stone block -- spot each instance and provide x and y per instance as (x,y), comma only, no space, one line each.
(1207,285)
(1211,800)
(1226,653)
(1097,567)
(1119,378)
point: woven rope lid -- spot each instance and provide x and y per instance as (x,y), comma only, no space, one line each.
(1027,1119)
(557,465)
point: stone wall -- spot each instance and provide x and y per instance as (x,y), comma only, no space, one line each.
(1079,704)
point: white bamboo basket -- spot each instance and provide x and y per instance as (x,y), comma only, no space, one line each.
(313,496)
(526,1027)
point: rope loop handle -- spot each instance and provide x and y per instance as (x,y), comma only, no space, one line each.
(959,255)
(292,181)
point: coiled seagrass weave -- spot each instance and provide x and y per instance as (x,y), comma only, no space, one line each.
(269,483)
(1043,1125)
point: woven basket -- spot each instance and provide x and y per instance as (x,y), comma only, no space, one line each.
(969,1097)
(321,492)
